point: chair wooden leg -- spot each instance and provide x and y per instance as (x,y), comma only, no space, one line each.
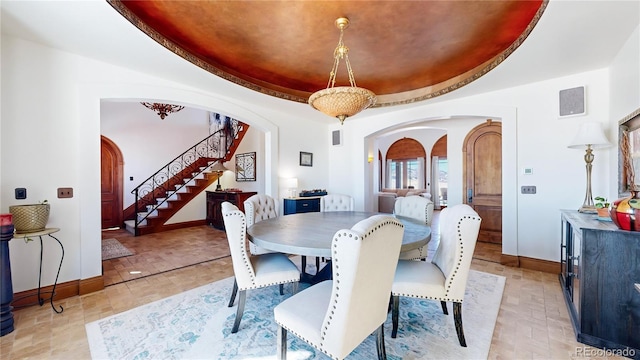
(457,318)
(233,293)
(394,315)
(281,289)
(382,354)
(444,307)
(241,299)
(281,343)
(295,288)
(317,264)
(304,264)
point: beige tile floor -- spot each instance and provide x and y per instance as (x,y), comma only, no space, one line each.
(533,322)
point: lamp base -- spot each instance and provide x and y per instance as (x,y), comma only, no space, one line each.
(218,188)
(588,209)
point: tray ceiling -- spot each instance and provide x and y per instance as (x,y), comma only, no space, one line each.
(404,51)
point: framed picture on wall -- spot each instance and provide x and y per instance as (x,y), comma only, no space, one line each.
(246,167)
(306,158)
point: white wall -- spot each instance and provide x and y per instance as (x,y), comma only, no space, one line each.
(51,124)
(533,136)
(148,143)
(51,128)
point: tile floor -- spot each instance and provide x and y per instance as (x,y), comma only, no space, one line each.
(533,322)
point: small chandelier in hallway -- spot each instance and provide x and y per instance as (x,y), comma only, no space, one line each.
(162,109)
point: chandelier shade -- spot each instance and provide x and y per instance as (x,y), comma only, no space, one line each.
(342,101)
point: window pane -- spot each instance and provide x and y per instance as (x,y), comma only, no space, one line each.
(412,173)
(443,173)
(392,176)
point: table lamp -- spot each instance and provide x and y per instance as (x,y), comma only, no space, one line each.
(219,168)
(292,185)
(590,136)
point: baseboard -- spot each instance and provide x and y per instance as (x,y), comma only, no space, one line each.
(90,285)
(63,290)
(182,225)
(510,260)
(528,263)
(539,265)
(30,297)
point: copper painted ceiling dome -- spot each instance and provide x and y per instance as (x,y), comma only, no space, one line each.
(403,51)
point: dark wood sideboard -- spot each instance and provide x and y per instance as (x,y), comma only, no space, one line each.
(599,266)
(215,200)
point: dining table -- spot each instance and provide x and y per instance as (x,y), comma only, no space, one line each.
(310,234)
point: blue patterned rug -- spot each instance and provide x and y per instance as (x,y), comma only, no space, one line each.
(196,324)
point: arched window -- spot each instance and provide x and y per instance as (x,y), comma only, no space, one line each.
(406,164)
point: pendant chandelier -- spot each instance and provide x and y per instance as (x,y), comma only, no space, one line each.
(162,109)
(342,101)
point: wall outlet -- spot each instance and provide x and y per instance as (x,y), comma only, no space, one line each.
(65,193)
(531,189)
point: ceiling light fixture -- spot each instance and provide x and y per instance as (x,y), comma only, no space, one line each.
(162,109)
(342,101)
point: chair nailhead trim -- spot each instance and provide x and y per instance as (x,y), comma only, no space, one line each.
(455,272)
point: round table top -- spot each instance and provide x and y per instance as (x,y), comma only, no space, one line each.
(310,234)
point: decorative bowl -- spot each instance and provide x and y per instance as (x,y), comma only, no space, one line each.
(625,213)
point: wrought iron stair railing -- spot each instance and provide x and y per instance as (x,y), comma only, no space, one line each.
(168,180)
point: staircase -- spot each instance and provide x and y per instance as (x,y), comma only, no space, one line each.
(167,191)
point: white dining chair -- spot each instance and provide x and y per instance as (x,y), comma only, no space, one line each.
(252,272)
(419,208)
(336,202)
(259,207)
(329,203)
(335,316)
(444,278)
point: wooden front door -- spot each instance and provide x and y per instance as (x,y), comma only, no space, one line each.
(482,154)
(111,183)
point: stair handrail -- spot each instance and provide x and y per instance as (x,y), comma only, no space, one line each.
(215,147)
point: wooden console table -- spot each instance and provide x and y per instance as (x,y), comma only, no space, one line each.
(215,200)
(599,269)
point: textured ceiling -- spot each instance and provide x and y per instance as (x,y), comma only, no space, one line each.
(404,51)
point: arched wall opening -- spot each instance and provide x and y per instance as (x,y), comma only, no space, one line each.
(90,97)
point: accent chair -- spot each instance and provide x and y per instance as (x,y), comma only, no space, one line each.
(419,208)
(444,278)
(335,316)
(259,207)
(253,272)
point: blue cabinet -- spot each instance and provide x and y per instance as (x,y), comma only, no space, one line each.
(301,205)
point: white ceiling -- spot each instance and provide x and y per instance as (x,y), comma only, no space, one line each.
(571,37)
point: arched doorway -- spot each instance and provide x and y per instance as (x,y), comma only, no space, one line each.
(111,183)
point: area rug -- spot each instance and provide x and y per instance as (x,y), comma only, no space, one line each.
(113,249)
(196,324)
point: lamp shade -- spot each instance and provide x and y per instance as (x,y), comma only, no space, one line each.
(291,183)
(590,133)
(218,166)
